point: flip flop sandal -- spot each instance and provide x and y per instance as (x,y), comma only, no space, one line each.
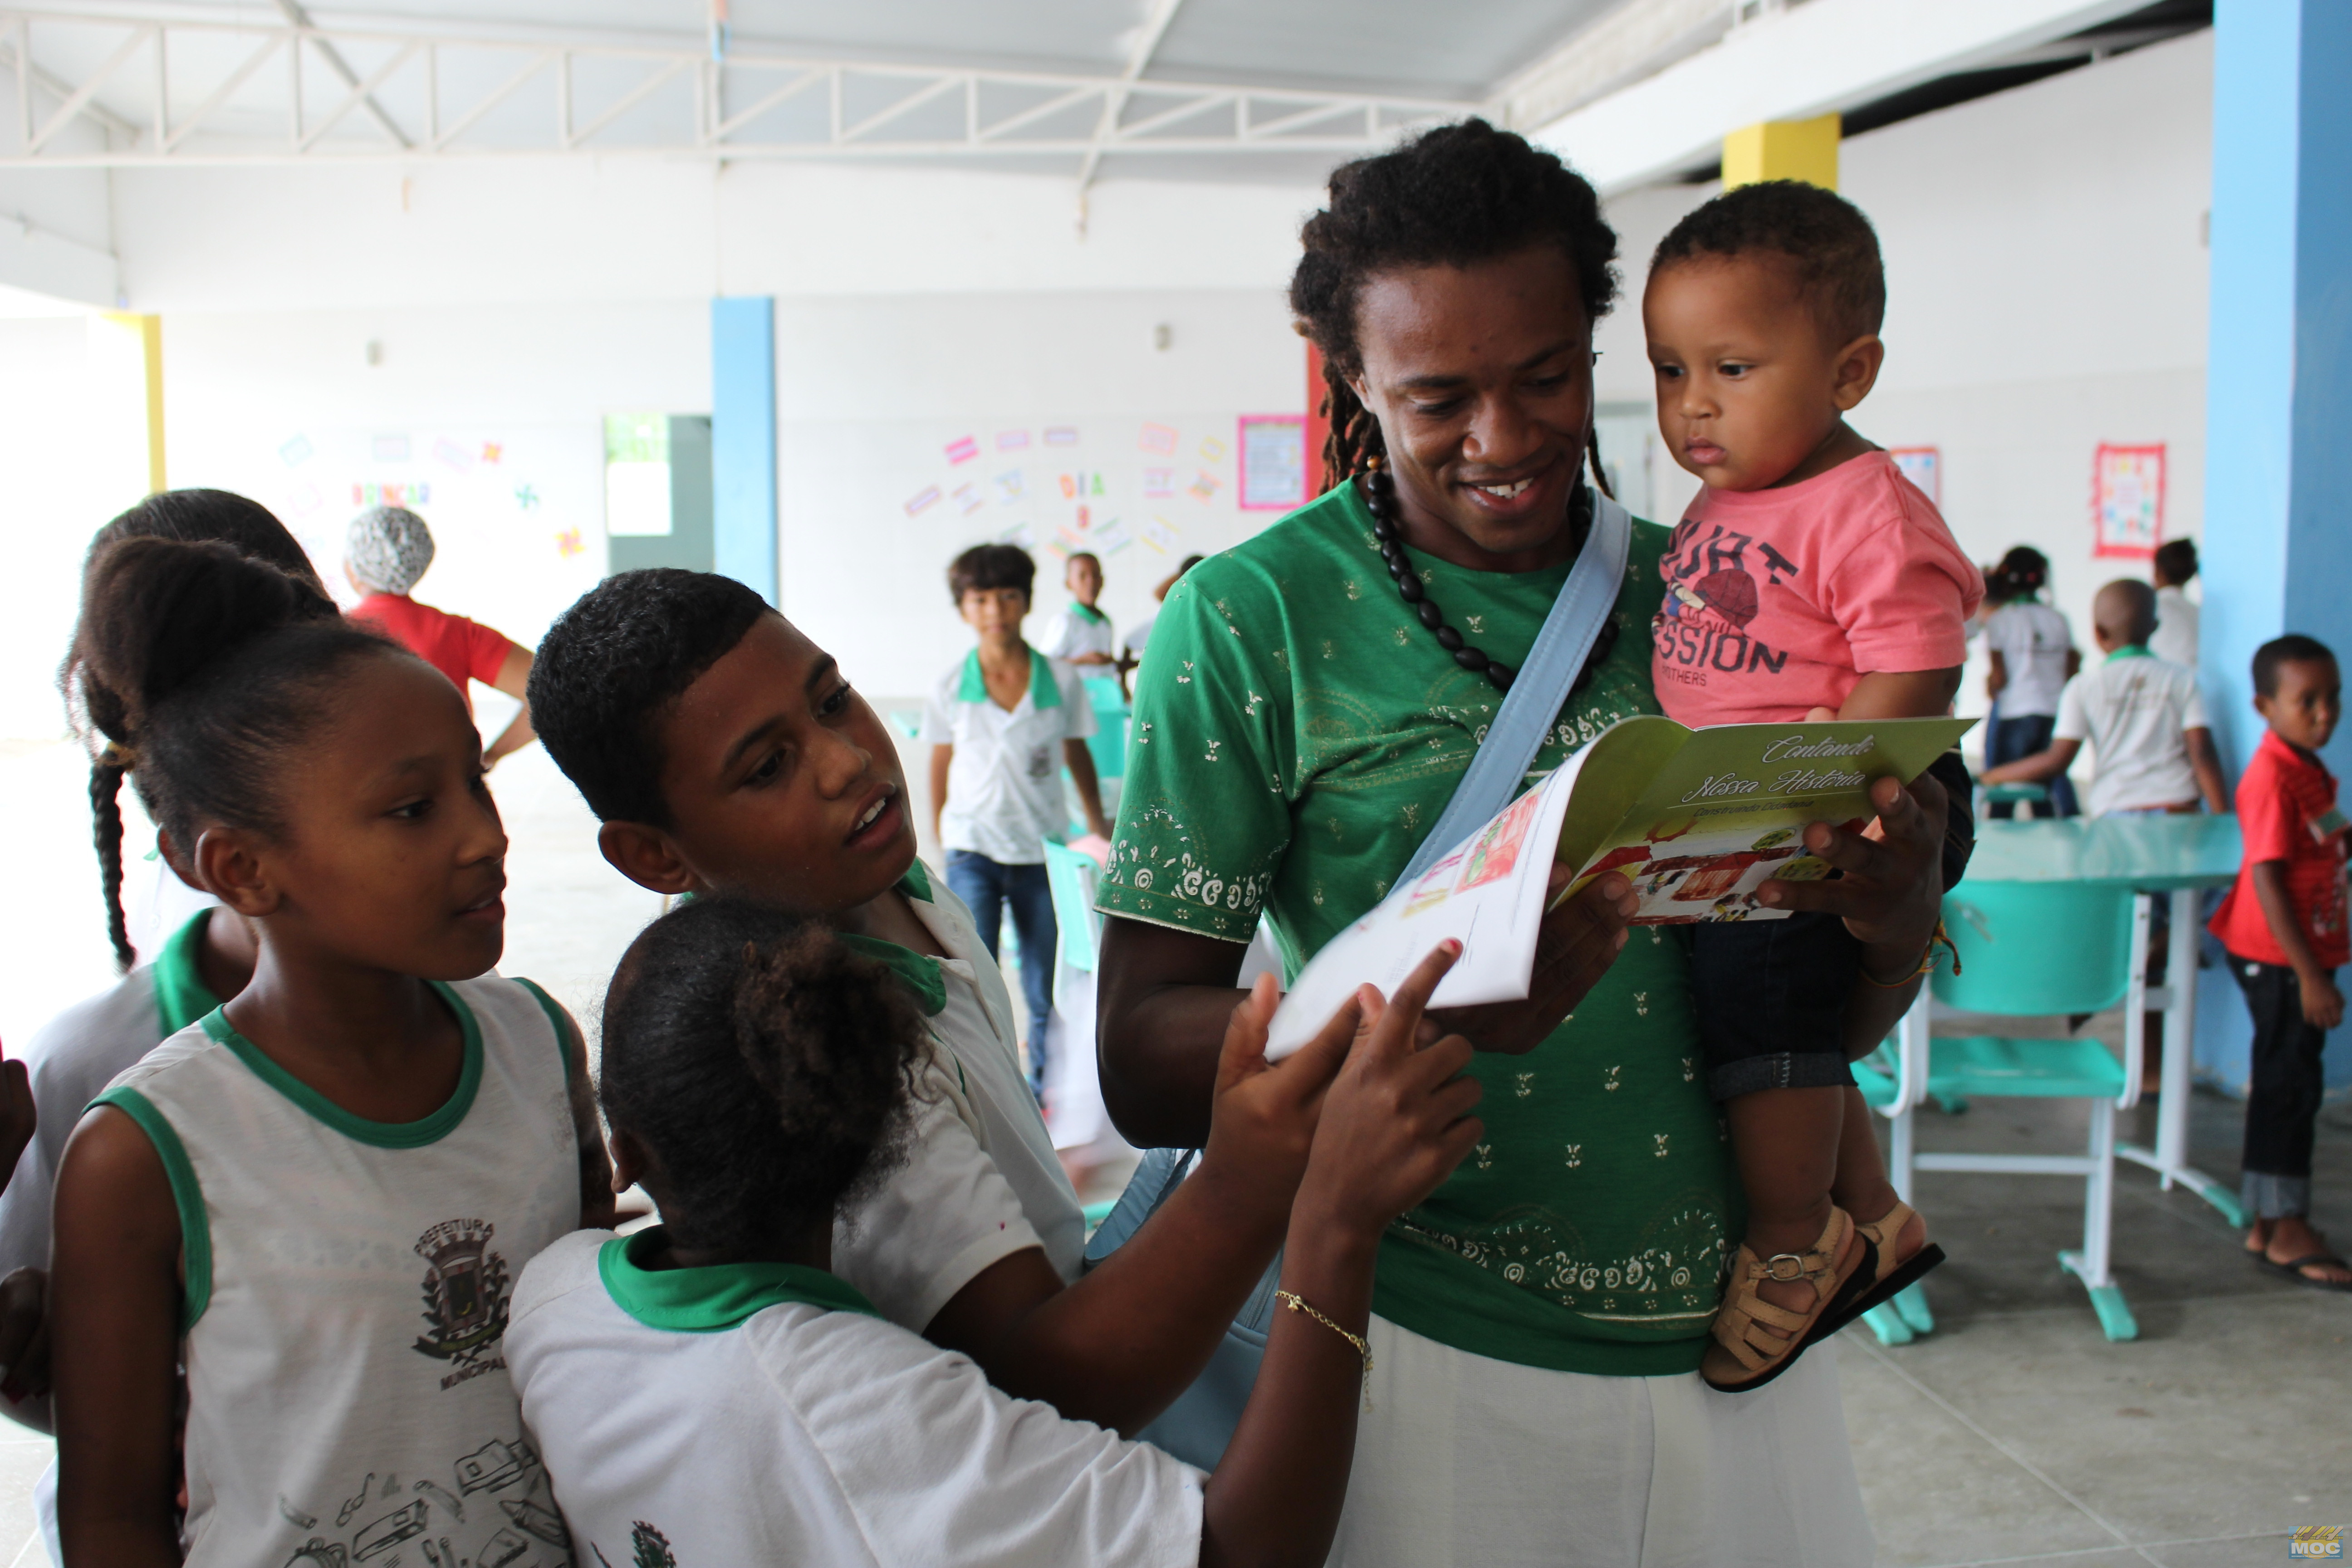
(1889,1279)
(2294,1270)
(1744,1356)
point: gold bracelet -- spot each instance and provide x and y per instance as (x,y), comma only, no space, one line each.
(1928,961)
(1298,1303)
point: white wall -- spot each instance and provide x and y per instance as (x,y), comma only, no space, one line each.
(2046,280)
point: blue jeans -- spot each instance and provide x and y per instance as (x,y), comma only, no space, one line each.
(988,887)
(2013,739)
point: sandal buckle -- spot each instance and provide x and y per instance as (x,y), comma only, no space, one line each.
(1785,1268)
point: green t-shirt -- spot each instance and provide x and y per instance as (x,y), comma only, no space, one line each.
(1297,732)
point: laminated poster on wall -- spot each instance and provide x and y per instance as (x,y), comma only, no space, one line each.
(2127,501)
(1923,467)
(518,515)
(1273,463)
(1696,819)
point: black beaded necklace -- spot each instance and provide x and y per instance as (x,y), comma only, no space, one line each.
(1380,495)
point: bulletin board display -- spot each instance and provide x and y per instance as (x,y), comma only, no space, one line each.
(1271,452)
(1923,467)
(517,514)
(872,511)
(2127,501)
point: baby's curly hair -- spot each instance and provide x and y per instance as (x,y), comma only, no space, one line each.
(1453,196)
(762,1063)
(1833,247)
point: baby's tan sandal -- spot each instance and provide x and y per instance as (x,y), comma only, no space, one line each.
(1745,1354)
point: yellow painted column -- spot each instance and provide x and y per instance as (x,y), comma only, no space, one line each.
(127,365)
(1803,149)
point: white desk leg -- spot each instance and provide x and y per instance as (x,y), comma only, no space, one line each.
(2170,1159)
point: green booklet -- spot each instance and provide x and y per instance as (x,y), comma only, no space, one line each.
(1697,819)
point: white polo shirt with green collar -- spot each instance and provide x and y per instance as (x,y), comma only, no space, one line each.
(1004,784)
(764,1413)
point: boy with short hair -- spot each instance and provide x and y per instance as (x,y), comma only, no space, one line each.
(2141,714)
(1809,580)
(1081,635)
(1002,723)
(2284,925)
(724,752)
(2173,568)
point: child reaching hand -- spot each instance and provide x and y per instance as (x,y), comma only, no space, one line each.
(709,1391)
(259,1198)
(1808,575)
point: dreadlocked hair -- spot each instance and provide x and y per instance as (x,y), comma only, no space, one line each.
(198,667)
(1453,197)
(765,1067)
(190,516)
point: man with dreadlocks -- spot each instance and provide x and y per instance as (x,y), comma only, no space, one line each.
(1307,714)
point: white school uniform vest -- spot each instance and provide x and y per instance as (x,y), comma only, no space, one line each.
(757,1414)
(348,1293)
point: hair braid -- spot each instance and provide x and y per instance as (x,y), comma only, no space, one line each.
(1593,450)
(106,816)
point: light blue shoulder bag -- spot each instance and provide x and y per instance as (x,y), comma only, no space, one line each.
(1197,1426)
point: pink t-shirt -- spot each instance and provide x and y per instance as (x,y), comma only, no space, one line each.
(1777,601)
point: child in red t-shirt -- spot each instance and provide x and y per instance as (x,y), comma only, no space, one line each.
(2283,924)
(1809,579)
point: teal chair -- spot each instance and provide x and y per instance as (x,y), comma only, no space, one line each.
(1071,877)
(2028,949)
(1109,742)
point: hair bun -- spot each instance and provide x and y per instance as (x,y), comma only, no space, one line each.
(160,612)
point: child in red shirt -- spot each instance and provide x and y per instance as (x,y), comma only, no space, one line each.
(2283,924)
(1809,579)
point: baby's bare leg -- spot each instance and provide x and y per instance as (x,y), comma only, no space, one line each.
(1786,1143)
(1860,1187)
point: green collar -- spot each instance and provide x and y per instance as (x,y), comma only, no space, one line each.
(2129,650)
(1088,612)
(181,996)
(711,1301)
(1043,690)
(383,1134)
(919,972)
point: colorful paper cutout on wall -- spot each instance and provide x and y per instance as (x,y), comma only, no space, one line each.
(1011,440)
(295,452)
(963,450)
(452,455)
(1009,484)
(1272,461)
(390,449)
(492,451)
(1923,467)
(968,498)
(568,543)
(1161,535)
(1204,487)
(1211,449)
(2127,501)
(1159,484)
(1112,537)
(923,500)
(1158,438)
(417,494)
(526,497)
(1061,434)
(1020,534)
(304,499)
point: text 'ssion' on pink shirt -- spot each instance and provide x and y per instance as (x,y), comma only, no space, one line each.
(457,648)
(1777,601)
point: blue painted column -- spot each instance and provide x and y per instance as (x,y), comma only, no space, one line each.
(2278,551)
(743,441)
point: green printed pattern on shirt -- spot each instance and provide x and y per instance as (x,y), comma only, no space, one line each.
(1297,732)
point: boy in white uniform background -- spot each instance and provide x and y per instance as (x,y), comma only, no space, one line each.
(1081,635)
(1002,723)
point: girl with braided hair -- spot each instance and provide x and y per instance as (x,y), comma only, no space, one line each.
(206,957)
(1313,698)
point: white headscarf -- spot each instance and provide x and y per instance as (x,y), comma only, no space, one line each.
(388,547)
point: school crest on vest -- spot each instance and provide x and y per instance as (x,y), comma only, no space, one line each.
(465,1294)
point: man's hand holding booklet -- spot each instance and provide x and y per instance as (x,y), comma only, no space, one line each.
(1696,819)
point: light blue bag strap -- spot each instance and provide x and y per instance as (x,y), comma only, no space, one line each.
(1540,690)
